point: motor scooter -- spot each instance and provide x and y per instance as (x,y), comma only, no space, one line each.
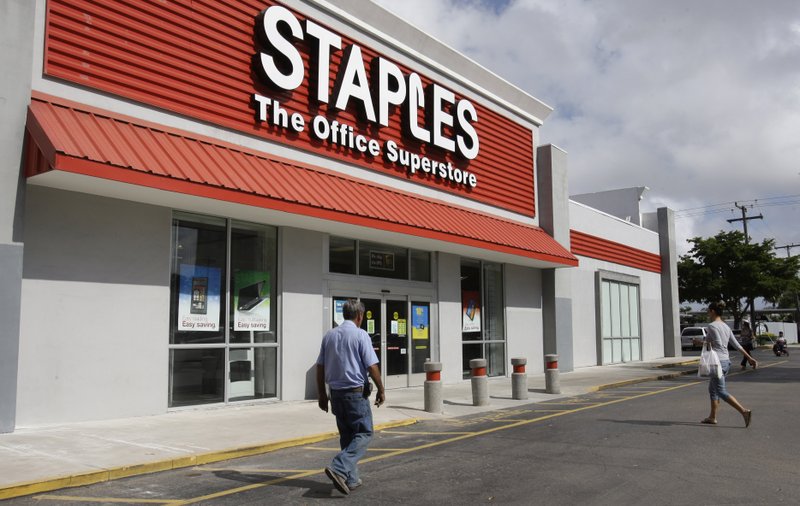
(780,348)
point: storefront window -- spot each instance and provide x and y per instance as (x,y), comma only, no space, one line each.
(253,308)
(382,260)
(196,376)
(342,255)
(348,256)
(222,326)
(482,316)
(619,318)
(420,265)
(198,281)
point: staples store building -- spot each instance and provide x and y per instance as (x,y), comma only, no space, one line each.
(192,188)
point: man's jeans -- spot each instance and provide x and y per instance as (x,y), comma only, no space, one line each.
(354,420)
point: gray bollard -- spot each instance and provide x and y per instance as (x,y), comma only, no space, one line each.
(433,387)
(519,379)
(480,382)
(552,384)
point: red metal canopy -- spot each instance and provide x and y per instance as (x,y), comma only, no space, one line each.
(81,139)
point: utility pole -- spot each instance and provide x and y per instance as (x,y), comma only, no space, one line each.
(744,220)
(788,247)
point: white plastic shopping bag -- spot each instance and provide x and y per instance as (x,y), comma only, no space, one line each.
(709,363)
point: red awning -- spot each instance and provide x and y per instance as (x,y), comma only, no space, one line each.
(84,140)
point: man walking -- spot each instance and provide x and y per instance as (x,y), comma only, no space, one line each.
(345,358)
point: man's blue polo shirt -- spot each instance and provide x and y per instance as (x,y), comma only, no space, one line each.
(346,353)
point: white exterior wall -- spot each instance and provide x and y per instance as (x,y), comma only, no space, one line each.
(301,310)
(449,288)
(584,292)
(524,334)
(584,300)
(95,309)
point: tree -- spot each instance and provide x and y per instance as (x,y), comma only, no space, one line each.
(726,268)
(790,299)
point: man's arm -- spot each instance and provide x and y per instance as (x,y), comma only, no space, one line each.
(375,373)
(322,394)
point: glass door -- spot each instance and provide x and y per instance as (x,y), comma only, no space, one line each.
(372,324)
(401,340)
(397,349)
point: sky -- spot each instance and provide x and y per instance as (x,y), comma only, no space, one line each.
(699,100)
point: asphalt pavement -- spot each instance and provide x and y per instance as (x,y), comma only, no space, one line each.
(34,460)
(637,443)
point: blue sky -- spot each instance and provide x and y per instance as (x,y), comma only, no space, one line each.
(698,100)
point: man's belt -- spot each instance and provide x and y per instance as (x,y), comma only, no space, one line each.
(349,390)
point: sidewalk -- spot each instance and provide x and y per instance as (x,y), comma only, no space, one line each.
(35,460)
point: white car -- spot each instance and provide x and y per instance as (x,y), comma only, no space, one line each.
(693,337)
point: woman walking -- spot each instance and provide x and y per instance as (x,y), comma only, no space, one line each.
(719,335)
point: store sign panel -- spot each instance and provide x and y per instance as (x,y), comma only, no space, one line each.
(265,70)
(449,123)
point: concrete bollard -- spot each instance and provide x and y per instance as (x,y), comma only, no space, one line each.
(480,382)
(433,387)
(519,379)
(552,384)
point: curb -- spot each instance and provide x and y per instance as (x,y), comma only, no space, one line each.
(90,478)
(693,361)
(634,381)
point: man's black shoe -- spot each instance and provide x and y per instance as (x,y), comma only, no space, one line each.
(338,481)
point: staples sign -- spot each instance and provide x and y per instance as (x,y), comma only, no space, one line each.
(449,123)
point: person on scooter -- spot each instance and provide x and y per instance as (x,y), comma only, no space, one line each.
(779,348)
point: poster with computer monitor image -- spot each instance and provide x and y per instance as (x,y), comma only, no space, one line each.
(251,308)
(198,298)
(471,311)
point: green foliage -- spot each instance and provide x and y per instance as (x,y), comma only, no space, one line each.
(765,338)
(725,268)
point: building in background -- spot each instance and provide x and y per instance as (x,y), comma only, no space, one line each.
(191,189)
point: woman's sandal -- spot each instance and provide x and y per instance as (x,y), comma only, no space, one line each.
(709,421)
(747,416)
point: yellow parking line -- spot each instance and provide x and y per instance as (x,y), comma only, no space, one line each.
(414,433)
(434,444)
(116,500)
(251,470)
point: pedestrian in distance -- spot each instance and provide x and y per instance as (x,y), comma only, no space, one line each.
(719,335)
(747,341)
(346,358)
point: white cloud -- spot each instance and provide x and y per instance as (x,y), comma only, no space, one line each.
(700,101)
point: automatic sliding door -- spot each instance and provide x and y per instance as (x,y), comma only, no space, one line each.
(397,355)
(372,324)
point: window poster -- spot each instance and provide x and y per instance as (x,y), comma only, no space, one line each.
(338,311)
(420,322)
(198,298)
(251,301)
(471,310)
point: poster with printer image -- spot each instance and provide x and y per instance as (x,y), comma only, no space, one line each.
(198,299)
(251,308)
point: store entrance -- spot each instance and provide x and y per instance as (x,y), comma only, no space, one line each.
(400,331)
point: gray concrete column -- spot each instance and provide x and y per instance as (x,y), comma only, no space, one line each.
(480,382)
(16,59)
(553,212)
(519,379)
(670,309)
(552,381)
(433,387)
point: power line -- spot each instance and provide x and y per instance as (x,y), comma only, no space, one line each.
(783,200)
(788,247)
